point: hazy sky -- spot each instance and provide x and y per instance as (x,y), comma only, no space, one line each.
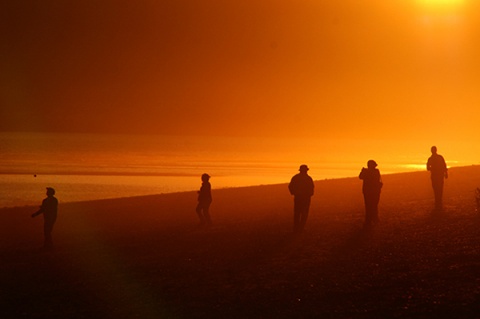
(344,68)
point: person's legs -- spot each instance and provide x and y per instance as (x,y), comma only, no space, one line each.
(368,208)
(300,215)
(437,185)
(206,213)
(47,231)
(200,214)
(304,214)
(297,212)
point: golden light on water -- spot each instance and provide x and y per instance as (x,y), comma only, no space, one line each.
(413,167)
(315,81)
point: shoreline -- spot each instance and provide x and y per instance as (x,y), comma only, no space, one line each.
(176,174)
(318,183)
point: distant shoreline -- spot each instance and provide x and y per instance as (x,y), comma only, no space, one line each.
(92,173)
(319,184)
(175,174)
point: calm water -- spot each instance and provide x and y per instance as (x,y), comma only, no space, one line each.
(85,167)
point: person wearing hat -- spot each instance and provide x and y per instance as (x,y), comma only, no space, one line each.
(372,185)
(439,172)
(49,211)
(204,201)
(301,187)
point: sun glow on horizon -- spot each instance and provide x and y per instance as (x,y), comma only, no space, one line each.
(441,5)
(441,2)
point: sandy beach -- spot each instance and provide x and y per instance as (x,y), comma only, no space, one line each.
(146,257)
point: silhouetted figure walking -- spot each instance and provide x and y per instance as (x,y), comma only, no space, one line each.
(438,172)
(372,186)
(204,201)
(49,211)
(301,187)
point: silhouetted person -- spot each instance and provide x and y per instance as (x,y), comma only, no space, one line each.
(438,172)
(372,186)
(301,187)
(204,201)
(49,211)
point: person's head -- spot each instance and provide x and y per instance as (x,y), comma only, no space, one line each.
(303,168)
(205,177)
(50,191)
(371,164)
(434,150)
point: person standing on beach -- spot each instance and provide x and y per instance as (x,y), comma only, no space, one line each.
(438,172)
(49,211)
(204,201)
(301,187)
(372,186)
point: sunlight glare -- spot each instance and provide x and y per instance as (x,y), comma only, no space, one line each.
(440,2)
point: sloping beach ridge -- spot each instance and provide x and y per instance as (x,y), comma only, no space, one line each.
(145,257)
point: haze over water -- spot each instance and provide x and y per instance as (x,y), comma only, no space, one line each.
(98,166)
(246,91)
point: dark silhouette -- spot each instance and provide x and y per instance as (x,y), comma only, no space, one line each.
(301,187)
(204,201)
(438,169)
(372,186)
(49,211)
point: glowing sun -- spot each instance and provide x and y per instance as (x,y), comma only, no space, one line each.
(440,3)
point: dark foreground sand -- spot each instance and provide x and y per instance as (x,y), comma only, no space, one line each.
(144,257)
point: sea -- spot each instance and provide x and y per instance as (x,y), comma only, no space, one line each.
(102,166)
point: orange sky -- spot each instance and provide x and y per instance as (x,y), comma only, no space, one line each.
(348,69)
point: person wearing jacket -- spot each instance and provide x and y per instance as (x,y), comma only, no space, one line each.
(204,201)
(439,172)
(49,210)
(301,187)
(372,186)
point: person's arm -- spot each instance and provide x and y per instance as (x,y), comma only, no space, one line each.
(201,192)
(362,173)
(291,186)
(38,212)
(445,168)
(380,182)
(208,190)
